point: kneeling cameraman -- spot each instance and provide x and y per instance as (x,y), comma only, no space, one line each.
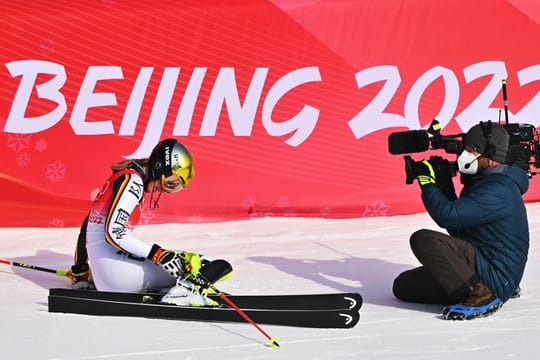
(480,264)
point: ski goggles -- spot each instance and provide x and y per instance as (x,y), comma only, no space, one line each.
(172,184)
(178,180)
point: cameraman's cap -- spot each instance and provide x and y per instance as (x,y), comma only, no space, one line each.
(497,146)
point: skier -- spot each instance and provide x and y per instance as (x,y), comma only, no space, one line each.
(119,261)
(480,264)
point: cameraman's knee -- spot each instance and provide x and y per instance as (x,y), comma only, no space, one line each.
(419,238)
(406,286)
(399,288)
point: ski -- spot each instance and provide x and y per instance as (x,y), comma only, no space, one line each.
(333,301)
(333,318)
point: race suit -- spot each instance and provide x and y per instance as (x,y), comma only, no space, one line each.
(117,258)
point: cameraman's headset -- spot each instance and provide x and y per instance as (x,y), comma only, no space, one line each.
(490,150)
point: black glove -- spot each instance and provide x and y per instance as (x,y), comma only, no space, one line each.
(444,173)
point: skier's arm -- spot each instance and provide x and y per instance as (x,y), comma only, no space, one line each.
(127,194)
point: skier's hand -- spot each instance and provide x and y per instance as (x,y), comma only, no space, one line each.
(177,264)
(79,276)
(191,262)
(169,260)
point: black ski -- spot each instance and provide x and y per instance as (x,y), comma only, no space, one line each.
(348,301)
(333,318)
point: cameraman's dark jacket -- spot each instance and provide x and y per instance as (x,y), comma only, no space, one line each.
(489,213)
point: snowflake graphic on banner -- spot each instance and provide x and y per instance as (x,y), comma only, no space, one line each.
(41,145)
(283,201)
(249,204)
(377,208)
(196,219)
(18,142)
(290,213)
(23,158)
(55,172)
(56,222)
(325,211)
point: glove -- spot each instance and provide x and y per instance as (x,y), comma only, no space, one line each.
(425,173)
(80,280)
(444,172)
(77,276)
(177,264)
(191,261)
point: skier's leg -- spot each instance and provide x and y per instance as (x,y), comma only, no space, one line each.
(114,271)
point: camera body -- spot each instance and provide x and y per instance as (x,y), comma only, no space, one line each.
(523,150)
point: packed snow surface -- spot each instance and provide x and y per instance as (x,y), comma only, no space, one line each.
(270,256)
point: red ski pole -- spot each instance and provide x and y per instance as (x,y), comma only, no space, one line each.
(273,342)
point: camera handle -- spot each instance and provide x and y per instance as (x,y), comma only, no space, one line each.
(410,171)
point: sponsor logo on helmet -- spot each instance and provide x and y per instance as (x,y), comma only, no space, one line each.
(177,163)
(167,156)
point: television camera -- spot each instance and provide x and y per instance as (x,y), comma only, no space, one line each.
(524,146)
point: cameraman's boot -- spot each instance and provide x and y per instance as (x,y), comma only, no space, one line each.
(480,302)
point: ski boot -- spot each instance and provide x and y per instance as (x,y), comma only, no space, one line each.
(186,293)
(193,290)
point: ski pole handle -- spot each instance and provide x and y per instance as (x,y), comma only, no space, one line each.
(62,273)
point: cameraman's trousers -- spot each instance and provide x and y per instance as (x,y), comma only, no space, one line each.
(447,273)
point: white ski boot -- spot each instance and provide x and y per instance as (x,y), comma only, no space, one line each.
(185,293)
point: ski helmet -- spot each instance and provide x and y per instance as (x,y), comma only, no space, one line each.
(168,158)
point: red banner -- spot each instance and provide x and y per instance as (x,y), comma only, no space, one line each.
(285,105)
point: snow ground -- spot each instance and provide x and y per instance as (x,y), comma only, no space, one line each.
(270,256)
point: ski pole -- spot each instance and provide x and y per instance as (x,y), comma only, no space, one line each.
(62,273)
(273,342)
